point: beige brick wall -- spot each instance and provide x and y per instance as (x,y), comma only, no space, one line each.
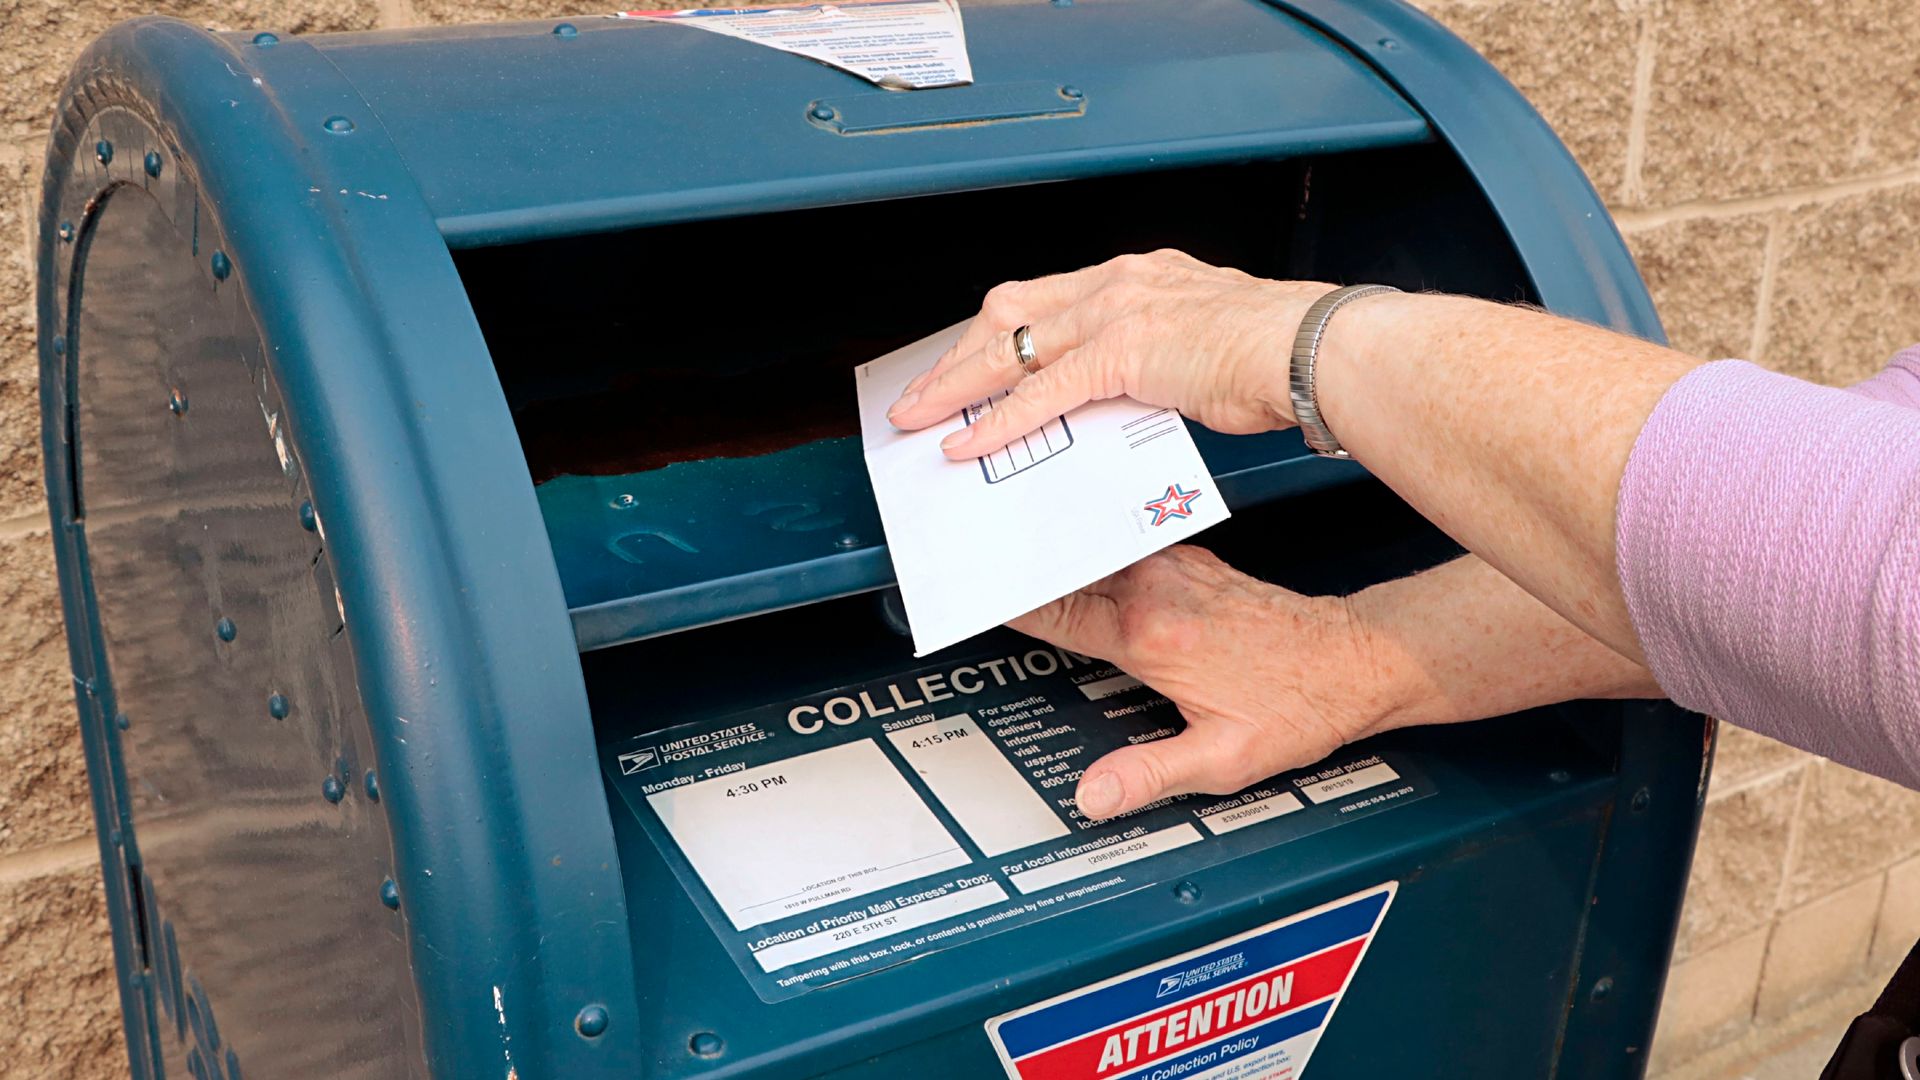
(1763,159)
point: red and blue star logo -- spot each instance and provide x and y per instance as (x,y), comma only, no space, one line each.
(1176,503)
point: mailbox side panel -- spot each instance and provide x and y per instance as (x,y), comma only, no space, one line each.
(351,818)
(224,723)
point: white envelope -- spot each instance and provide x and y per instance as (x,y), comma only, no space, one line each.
(975,543)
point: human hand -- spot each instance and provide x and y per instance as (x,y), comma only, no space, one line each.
(1267,679)
(1165,329)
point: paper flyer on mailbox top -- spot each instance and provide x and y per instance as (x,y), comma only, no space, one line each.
(897,44)
(975,543)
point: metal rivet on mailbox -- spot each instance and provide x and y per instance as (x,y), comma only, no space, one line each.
(390,894)
(308,520)
(592,1021)
(59,345)
(339,125)
(1071,93)
(373,786)
(66,232)
(1389,44)
(332,789)
(706,1044)
(120,721)
(153,164)
(1186,892)
(1601,989)
(1641,800)
(225,629)
(177,402)
(566,30)
(266,40)
(277,706)
(823,113)
(222,266)
(104,151)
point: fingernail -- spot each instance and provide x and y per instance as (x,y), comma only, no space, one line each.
(906,402)
(918,381)
(956,440)
(1099,795)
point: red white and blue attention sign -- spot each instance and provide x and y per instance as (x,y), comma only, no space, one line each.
(1251,1007)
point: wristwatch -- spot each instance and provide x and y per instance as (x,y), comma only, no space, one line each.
(1306,350)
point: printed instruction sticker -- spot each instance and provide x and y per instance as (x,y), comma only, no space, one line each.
(896,44)
(846,831)
(1251,1007)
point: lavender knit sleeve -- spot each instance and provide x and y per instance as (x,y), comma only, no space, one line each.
(1769,551)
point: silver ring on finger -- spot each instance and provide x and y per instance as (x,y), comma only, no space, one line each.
(1023,350)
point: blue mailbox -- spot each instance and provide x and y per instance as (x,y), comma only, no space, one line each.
(483,630)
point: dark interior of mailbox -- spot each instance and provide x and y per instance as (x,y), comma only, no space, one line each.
(628,351)
(731,341)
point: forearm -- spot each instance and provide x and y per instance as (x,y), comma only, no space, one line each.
(1896,384)
(1463,642)
(1508,428)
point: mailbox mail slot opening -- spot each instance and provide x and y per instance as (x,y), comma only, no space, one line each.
(643,686)
(734,338)
(682,392)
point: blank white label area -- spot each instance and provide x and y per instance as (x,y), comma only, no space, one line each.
(778,839)
(977,784)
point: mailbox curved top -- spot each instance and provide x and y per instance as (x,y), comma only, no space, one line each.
(519,131)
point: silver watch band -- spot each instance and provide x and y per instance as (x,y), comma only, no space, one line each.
(1306,350)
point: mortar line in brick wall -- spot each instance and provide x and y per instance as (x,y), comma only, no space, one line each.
(1640,220)
(1794,829)
(395,14)
(1632,188)
(1766,955)
(1876,939)
(1763,300)
(58,858)
(24,526)
(1716,793)
(30,151)
(29,220)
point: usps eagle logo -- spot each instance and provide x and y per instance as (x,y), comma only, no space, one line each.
(634,761)
(1176,503)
